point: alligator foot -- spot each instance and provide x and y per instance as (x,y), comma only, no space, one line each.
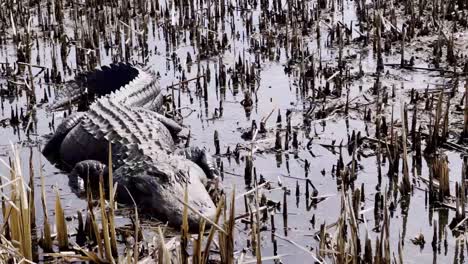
(90,171)
(202,158)
(215,189)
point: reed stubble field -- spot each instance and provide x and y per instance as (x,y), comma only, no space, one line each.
(339,127)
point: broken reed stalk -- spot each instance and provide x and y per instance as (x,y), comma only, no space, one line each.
(95,234)
(31,185)
(355,242)
(406,184)
(216,142)
(441,172)
(46,236)
(226,240)
(105,221)
(465,112)
(164,256)
(463,187)
(433,141)
(185,229)
(62,233)
(258,252)
(111,214)
(197,249)
(136,250)
(206,253)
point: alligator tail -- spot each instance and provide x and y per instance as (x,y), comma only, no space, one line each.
(88,86)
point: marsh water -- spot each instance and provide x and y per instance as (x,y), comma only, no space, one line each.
(274,87)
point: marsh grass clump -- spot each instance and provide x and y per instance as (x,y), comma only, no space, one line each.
(17,237)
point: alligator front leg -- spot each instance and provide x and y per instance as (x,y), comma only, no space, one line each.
(156,104)
(205,161)
(202,158)
(170,124)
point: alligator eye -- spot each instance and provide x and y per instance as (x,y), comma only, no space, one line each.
(159,175)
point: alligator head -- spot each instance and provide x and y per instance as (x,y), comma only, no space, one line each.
(158,189)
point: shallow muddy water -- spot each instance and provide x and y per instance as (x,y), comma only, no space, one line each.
(274,89)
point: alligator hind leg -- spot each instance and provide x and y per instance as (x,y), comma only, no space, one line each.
(53,145)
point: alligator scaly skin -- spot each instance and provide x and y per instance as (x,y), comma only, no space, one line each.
(144,156)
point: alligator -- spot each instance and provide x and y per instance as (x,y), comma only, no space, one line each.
(148,167)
